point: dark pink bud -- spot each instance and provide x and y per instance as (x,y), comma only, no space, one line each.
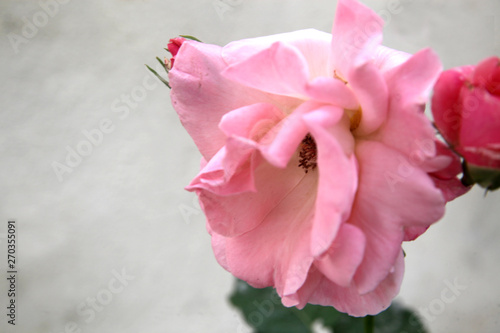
(173,47)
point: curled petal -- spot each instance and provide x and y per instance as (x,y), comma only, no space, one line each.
(406,128)
(264,69)
(412,81)
(314,45)
(340,261)
(337,176)
(281,142)
(223,174)
(386,58)
(445,107)
(480,138)
(232,215)
(251,122)
(263,256)
(201,95)
(332,91)
(282,69)
(371,91)
(320,290)
(357,32)
(392,195)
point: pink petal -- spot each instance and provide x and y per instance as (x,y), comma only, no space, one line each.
(446,107)
(357,32)
(410,132)
(452,168)
(270,70)
(389,197)
(386,58)
(445,177)
(236,214)
(282,69)
(371,91)
(281,142)
(223,174)
(480,134)
(347,299)
(219,248)
(450,188)
(314,45)
(343,257)
(407,129)
(230,171)
(251,121)
(337,174)
(332,91)
(412,81)
(201,96)
(277,252)
(487,75)
(411,233)
(302,296)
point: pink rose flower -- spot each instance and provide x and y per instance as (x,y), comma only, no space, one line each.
(318,161)
(466,109)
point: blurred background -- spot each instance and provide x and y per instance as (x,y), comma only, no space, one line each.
(108,240)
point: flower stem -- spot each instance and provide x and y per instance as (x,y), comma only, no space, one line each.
(369,324)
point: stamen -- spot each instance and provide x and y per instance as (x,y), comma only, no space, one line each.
(337,76)
(308,154)
(354,117)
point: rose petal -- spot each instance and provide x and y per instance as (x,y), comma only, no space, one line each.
(314,45)
(332,91)
(343,257)
(390,196)
(236,214)
(277,252)
(412,81)
(371,91)
(281,142)
(251,121)
(337,174)
(407,129)
(317,290)
(357,32)
(201,96)
(219,248)
(264,69)
(223,174)
(283,70)
(487,75)
(386,58)
(445,102)
(411,233)
(480,139)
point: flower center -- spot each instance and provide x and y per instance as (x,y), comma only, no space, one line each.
(354,115)
(354,118)
(308,154)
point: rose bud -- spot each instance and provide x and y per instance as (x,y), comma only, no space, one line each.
(466,109)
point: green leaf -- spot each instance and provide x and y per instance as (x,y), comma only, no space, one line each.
(263,311)
(191,38)
(162,63)
(165,82)
(398,318)
(487,178)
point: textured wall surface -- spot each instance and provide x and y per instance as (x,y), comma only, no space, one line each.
(114,243)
